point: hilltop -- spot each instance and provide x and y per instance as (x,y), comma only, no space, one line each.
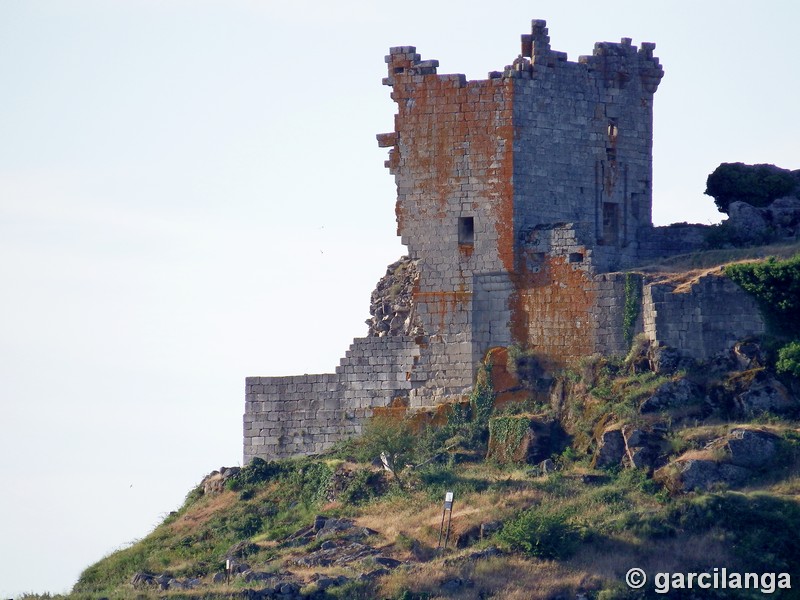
(561,486)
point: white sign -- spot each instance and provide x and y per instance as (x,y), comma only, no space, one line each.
(448,497)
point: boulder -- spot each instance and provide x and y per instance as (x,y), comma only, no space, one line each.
(705,474)
(142,579)
(643,448)
(214,482)
(751,448)
(611,448)
(760,392)
(749,355)
(748,222)
(664,360)
(522,438)
(784,213)
(672,394)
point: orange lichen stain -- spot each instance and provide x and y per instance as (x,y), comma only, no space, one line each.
(557,306)
(506,385)
(393,413)
(444,304)
(436,416)
(466,250)
(502,379)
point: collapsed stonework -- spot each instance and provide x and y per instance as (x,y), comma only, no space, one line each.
(521,198)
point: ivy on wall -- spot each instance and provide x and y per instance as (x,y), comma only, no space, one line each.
(633,303)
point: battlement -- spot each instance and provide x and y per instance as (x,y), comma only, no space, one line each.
(615,62)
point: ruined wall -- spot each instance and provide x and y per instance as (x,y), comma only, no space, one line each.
(583,142)
(519,197)
(679,238)
(305,414)
(451,158)
(480,164)
(701,318)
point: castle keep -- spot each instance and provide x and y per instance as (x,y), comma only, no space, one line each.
(521,198)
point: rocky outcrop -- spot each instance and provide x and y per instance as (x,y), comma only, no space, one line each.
(611,448)
(523,439)
(751,224)
(392,303)
(214,482)
(728,461)
(672,394)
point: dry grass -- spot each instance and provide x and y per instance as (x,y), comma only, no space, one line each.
(202,512)
(507,577)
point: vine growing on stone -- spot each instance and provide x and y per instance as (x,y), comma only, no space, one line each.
(633,301)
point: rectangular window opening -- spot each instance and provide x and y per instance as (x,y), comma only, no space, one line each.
(610,223)
(466,231)
(575,257)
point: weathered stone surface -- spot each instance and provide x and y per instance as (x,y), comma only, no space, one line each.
(664,360)
(214,482)
(611,448)
(750,448)
(534,445)
(672,394)
(643,448)
(761,392)
(696,474)
(392,303)
(729,461)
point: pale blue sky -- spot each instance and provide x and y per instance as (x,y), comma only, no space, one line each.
(191,192)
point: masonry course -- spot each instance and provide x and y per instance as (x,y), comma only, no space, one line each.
(521,198)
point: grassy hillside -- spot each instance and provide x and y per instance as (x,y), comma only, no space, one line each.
(667,465)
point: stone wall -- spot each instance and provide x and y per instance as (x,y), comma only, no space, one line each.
(305,414)
(519,198)
(701,318)
(670,240)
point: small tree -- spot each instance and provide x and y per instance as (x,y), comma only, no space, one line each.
(757,185)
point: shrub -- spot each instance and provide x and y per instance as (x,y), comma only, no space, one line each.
(541,534)
(361,488)
(387,434)
(762,528)
(257,471)
(789,359)
(757,185)
(776,286)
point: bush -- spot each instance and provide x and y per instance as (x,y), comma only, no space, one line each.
(257,471)
(776,286)
(789,359)
(762,528)
(757,185)
(540,534)
(361,488)
(389,435)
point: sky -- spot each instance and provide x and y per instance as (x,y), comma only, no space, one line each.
(191,193)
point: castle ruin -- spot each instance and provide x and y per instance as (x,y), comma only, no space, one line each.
(522,199)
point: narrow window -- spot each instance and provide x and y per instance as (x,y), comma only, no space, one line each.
(575,257)
(466,231)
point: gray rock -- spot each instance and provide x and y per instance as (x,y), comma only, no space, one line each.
(142,579)
(389,563)
(664,360)
(489,528)
(753,449)
(764,393)
(749,355)
(747,221)
(698,474)
(611,450)
(672,394)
